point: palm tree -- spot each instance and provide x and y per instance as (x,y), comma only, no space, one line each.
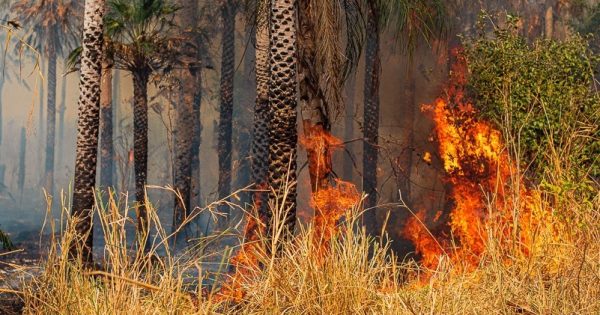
(228,12)
(283,134)
(54,23)
(259,157)
(371,113)
(88,127)
(412,19)
(140,33)
(106,121)
(106,126)
(187,112)
(320,68)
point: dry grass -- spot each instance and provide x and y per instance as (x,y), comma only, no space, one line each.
(358,275)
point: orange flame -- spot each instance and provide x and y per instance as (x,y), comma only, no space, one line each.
(479,173)
(330,202)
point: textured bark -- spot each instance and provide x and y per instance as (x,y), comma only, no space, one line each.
(87,128)
(50,121)
(186,118)
(350,111)
(283,135)
(371,116)
(314,117)
(226,107)
(260,130)
(140,146)
(106,126)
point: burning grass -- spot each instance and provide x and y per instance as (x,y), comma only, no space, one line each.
(357,275)
(507,248)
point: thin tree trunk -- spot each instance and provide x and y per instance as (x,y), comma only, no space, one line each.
(50,121)
(87,129)
(371,117)
(549,22)
(283,135)
(314,118)
(41,121)
(22,153)
(140,147)
(405,158)
(116,101)
(61,119)
(1,105)
(260,130)
(226,107)
(106,126)
(350,111)
(196,142)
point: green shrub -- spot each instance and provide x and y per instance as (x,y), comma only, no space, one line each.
(543,96)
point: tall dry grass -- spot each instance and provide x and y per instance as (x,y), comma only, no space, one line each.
(358,275)
(355,274)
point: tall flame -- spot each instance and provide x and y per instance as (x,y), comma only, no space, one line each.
(330,202)
(483,184)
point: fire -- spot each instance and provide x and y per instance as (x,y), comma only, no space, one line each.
(246,261)
(481,184)
(330,205)
(330,201)
(319,145)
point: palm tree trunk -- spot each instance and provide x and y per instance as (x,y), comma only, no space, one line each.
(226,108)
(283,135)
(50,120)
(88,126)
(186,120)
(260,130)
(350,111)
(140,146)
(106,126)
(371,117)
(314,118)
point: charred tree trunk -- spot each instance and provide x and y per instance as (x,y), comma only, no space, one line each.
(260,131)
(140,147)
(87,129)
(314,116)
(186,117)
(196,194)
(226,107)
(371,116)
(106,126)
(350,111)
(404,162)
(283,135)
(50,121)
